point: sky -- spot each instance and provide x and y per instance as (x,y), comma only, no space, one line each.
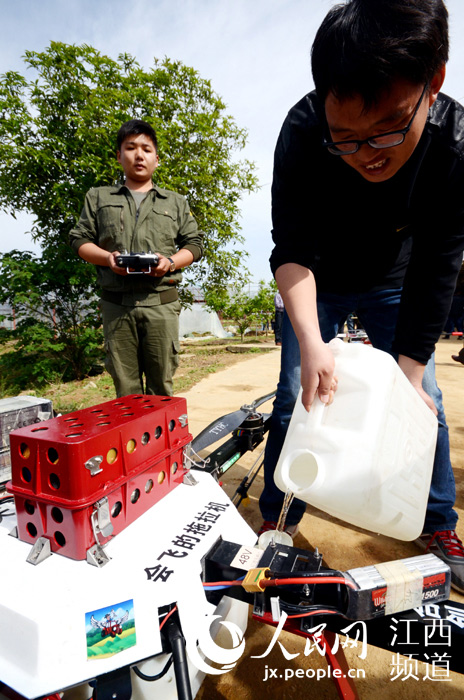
(255,52)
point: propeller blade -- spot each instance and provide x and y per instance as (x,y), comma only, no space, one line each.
(226,424)
(261,400)
(219,429)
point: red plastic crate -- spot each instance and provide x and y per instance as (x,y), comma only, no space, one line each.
(128,452)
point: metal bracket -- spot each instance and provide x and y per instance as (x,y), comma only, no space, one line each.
(100,519)
(189,479)
(40,550)
(191,459)
(96,556)
(183,420)
(93,465)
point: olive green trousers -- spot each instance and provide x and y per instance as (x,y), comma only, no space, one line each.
(141,346)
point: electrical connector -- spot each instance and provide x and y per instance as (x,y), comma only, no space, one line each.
(252,581)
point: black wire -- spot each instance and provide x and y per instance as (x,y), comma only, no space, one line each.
(330,573)
(159,675)
(304,610)
(7,499)
(4,512)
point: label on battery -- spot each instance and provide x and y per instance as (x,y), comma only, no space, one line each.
(403,586)
(389,588)
(247,558)
(434,588)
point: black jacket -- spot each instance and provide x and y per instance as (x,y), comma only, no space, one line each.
(358,236)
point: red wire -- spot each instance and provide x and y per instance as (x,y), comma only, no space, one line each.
(265,583)
(167,617)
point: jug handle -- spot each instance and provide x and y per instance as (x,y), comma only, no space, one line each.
(316,411)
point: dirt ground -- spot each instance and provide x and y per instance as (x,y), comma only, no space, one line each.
(343,547)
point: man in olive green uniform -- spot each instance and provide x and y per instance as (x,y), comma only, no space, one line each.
(140,311)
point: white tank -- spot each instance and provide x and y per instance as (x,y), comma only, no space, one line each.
(368,457)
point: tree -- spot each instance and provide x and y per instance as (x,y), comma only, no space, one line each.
(264,302)
(57,337)
(57,139)
(236,305)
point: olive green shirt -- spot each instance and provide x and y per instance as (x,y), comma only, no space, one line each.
(163,224)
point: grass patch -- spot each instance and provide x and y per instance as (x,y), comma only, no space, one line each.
(197,359)
(72,396)
(248,339)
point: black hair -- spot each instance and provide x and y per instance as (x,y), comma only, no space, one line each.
(363,46)
(134,127)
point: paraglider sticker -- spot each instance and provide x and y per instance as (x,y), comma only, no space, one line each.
(110,630)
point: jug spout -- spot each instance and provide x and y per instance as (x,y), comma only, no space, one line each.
(302,470)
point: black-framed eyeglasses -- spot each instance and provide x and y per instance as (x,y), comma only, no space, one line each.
(391,138)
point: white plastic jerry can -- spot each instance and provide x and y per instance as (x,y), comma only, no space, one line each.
(368,457)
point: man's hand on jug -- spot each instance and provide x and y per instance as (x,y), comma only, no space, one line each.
(317,374)
(415,371)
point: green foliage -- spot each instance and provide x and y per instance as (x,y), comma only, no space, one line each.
(58,133)
(240,307)
(57,338)
(264,301)
(58,130)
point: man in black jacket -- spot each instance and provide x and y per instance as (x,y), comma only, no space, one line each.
(368,217)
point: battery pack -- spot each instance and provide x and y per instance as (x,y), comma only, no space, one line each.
(385,589)
(365,593)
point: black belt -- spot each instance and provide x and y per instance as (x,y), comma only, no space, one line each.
(165,297)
